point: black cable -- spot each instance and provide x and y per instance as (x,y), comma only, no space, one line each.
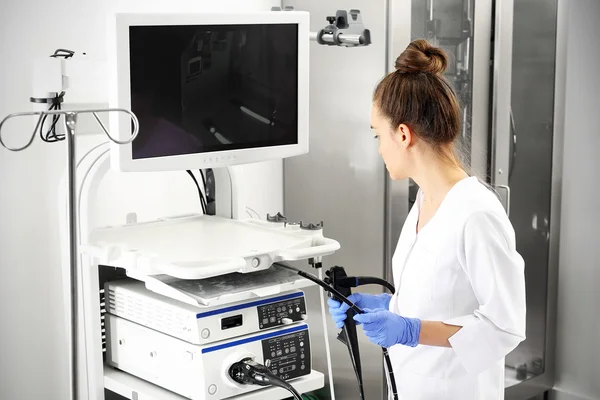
(204,189)
(356,309)
(249,372)
(203,180)
(371,280)
(392,379)
(204,197)
(202,204)
(325,286)
(284,385)
(66,54)
(51,136)
(368,280)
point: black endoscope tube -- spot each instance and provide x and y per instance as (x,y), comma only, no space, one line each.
(356,309)
(324,286)
(370,280)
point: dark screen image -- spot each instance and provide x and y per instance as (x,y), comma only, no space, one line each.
(206,88)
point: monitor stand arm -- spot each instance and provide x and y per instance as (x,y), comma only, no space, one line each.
(345,29)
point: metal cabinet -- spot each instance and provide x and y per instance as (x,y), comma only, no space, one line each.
(502,65)
(534,191)
(464,30)
(516,153)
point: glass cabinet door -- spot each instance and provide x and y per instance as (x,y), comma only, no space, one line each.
(449,24)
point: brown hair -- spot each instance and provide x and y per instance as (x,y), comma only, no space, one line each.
(418,95)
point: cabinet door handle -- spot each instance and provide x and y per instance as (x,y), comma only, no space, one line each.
(513,144)
(507,202)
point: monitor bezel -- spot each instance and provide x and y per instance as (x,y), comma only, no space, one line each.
(121,155)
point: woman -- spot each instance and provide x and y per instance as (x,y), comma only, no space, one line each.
(459,306)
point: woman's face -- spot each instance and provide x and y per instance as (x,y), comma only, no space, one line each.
(394,145)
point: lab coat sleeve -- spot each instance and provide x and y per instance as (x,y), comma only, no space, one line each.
(488,255)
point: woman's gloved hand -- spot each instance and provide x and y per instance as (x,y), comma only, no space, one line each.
(362,301)
(385,329)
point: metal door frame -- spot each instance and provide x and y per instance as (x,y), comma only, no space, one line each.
(396,192)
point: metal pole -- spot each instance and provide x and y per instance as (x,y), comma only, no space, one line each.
(343,38)
(70,124)
(72,225)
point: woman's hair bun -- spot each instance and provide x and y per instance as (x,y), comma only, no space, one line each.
(420,56)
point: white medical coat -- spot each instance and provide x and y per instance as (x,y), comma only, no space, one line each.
(462,269)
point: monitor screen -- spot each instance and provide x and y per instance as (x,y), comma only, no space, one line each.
(203,88)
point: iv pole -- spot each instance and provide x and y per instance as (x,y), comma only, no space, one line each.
(70,124)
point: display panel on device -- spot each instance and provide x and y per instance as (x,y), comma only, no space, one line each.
(211,88)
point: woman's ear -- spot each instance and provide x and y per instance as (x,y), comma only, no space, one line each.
(404,136)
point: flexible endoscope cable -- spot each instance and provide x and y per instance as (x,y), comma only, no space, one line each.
(356,309)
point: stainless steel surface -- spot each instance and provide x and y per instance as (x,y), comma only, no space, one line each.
(70,125)
(463,29)
(32,137)
(480,101)
(72,226)
(535,184)
(344,38)
(396,192)
(341,180)
(506,198)
(578,326)
(69,112)
(449,24)
(501,91)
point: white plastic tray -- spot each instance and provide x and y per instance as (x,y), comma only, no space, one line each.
(225,289)
(200,246)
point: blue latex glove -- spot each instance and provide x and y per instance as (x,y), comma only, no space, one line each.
(385,329)
(362,301)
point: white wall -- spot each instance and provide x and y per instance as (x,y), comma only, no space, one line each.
(578,346)
(33,349)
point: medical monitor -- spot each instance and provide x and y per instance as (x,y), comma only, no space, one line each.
(209,90)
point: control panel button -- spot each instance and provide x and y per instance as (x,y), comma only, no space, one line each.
(205,333)
(281,312)
(291,351)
